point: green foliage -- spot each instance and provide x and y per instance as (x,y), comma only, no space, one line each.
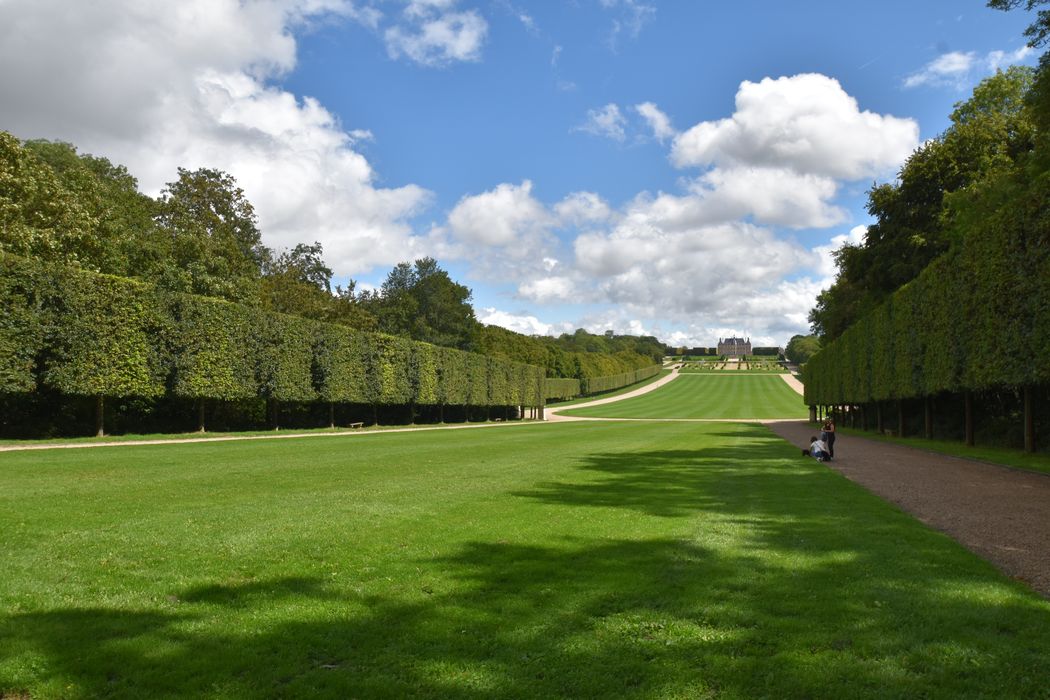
(992,131)
(561,388)
(106,338)
(23,320)
(38,216)
(215,348)
(422,302)
(284,367)
(977,318)
(801,347)
(215,244)
(342,360)
(595,385)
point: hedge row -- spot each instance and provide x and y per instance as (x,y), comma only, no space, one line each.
(975,319)
(84,333)
(596,385)
(562,388)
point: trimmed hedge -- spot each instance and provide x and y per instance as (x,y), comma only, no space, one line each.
(594,385)
(84,333)
(561,388)
(977,318)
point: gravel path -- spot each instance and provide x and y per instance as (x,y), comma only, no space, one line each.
(1000,514)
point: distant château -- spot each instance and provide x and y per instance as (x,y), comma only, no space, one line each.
(734,347)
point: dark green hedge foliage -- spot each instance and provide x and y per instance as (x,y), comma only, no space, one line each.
(22,324)
(111,336)
(596,385)
(975,319)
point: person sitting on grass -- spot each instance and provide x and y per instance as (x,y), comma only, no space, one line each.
(817,450)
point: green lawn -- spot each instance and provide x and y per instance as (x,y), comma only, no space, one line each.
(725,395)
(668,560)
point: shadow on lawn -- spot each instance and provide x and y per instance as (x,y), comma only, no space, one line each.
(808,598)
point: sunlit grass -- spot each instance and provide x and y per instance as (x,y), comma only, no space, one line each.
(574,560)
(725,395)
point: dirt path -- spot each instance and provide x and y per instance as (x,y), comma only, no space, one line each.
(1000,514)
(794,383)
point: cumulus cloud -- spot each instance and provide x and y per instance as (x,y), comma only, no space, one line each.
(805,123)
(437,33)
(608,121)
(659,122)
(519,323)
(582,209)
(549,289)
(158,85)
(503,216)
(957,69)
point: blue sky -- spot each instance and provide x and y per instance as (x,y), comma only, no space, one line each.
(676,168)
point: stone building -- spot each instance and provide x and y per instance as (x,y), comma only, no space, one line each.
(734,347)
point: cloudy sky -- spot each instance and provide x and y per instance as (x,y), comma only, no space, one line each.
(681,169)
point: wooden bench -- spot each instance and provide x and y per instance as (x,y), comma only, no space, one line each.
(355,425)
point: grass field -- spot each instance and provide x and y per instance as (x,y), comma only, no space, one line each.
(578,560)
(726,395)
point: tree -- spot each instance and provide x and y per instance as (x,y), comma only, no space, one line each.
(123,233)
(215,245)
(801,347)
(420,301)
(38,216)
(989,132)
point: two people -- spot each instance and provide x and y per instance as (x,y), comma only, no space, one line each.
(823,448)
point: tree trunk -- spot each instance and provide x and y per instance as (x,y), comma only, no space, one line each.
(900,417)
(100,408)
(879,428)
(929,418)
(812,414)
(275,414)
(331,414)
(441,413)
(968,403)
(200,415)
(375,415)
(1029,421)
(412,412)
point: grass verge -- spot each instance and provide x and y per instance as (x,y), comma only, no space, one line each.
(1004,456)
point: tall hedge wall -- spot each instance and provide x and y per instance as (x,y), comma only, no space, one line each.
(975,319)
(89,334)
(595,385)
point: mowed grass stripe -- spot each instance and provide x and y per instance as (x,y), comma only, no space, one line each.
(724,396)
(575,560)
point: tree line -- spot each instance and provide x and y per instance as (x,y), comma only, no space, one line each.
(201,236)
(939,322)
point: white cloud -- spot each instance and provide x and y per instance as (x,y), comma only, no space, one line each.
(436,33)
(582,208)
(806,123)
(90,73)
(947,69)
(957,69)
(659,122)
(825,253)
(546,290)
(607,121)
(997,59)
(519,323)
(631,17)
(500,217)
